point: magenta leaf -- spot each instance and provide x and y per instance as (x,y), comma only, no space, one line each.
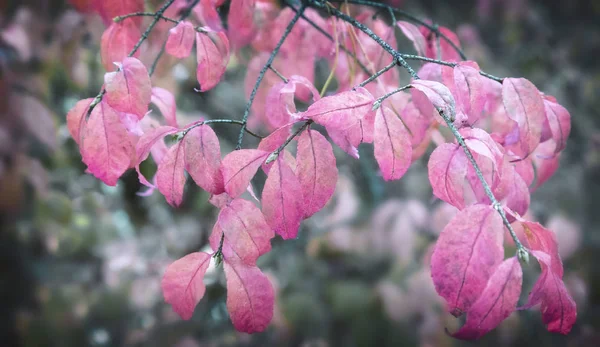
(116,43)
(239,167)
(316,170)
(203,159)
(523,104)
(181,40)
(497,301)
(559,122)
(446,51)
(170,175)
(250,297)
(129,89)
(447,171)
(165,101)
(280,105)
(282,200)
(246,232)
(145,144)
(466,254)
(107,149)
(273,141)
(76,119)
(541,239)
(559,311)
(392,143)
(241,22)
(212,59)
(183,285)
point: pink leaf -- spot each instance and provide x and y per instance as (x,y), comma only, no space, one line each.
(170,175)
(414,34)
(203,159)
(282,200)
(280,104)
(165,101)
(341,111)
(207,13)
(109,9)
(250,297)
(316,170)
(447,52)
(181,40)
(76,119)
(107,149)
(183,285)
(447,170)
(145,144)
(239,167)
(469,91)
(212,60)
(241,22)
(559,122)
(129,89)
(246,232)
(545,162)
(524,105)
(273,141)
(541,239)
(438,94)
(116,43)
(559,311)
(466,254)
(497,301)
(393,149)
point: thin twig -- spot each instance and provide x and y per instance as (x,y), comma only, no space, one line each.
(521,251)
(378,101)
(118,19)
(279,74)
(378,73)
(221,121)
(262,72)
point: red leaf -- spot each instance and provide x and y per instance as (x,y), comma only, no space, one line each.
(116,43)
(316,170)
(181,40)
(170,175)
(415,35)
(129,89)
(203,159)
(76,119)
(241,22)
(559,311)
(447,170)
(393,149)
(247,234)
(183,285)
(524,105)
(239,167)
(282,200)
(497,301)
(212,60)
(165,101)
(466,254)
(250,297)
(206,12)
(107,149)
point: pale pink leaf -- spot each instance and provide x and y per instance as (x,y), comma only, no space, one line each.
(523,104)
(241,22)
(497,301)
(273,141)
(181,40)
(341,111)
(183,284)
(316,170)
(212,59)
(469,91)
(282,200)
(117,42)
(559,122)
(393,149)
(438,94)
(250,297)
(165,101)
(466,254)
(239,167)
(107,149)
(170,175)
(447,52)
(413,33)
(559,311)
(145,144)
(203,159)
(76,119)
(129,89)
(245,229)
(206,12)
(447,171)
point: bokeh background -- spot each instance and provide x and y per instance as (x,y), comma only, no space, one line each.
(81,263)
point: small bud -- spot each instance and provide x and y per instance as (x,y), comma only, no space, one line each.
(523,256)
(376,105)
(272,157)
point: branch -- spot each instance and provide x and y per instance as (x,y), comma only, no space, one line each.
(221,121)
(521,251)
(118,19)
(262,72)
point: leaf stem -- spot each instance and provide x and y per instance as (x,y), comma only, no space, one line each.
(276,152)
(378,101)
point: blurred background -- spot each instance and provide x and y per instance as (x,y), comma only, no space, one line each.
(81,262)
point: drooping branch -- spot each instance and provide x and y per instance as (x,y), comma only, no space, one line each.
(521,251)
(220,121)
(262,72)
